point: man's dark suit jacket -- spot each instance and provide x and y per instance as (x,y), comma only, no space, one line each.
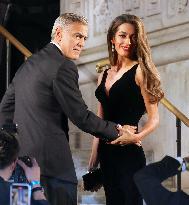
(149,179)
(42,96)
(5,195)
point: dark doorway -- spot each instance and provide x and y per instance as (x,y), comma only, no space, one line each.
(31,23)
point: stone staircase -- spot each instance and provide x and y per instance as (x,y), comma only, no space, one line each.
(86,197)
(96,198)
(92,198)
(81,156)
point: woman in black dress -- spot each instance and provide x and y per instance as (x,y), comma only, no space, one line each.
(128,89)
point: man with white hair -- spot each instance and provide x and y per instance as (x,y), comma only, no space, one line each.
(42,96)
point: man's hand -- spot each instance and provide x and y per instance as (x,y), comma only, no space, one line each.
(32,173)
(128,136)
(129,128)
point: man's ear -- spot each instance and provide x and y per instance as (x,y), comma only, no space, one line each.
(58,33)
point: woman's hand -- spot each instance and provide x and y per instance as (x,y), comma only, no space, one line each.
(128,136)
(94,161)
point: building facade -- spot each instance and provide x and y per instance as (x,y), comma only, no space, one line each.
(167,24)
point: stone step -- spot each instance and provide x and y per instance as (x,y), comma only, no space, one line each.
(91,204)
(91,199)
(99,204)
(87,197)
(81,158)
(95,199)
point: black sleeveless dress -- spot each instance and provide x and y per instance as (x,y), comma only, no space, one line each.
(124,105)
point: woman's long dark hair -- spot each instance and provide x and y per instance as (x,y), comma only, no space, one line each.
(141,53)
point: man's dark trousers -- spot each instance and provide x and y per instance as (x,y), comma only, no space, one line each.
(59,192)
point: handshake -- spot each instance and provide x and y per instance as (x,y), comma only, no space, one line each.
(128,135)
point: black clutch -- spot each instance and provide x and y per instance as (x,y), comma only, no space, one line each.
(92,181)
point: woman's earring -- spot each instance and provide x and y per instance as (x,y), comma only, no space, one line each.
(113,48)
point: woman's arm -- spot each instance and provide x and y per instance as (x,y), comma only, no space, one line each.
(151,109)
(93,161)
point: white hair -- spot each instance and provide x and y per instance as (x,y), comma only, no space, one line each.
(66,19)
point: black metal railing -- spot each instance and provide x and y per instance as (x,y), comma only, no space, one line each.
(11,40)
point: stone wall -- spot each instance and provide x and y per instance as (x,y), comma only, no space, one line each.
(167,24)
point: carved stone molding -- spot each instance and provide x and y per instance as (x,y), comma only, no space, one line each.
(153,7)
(132,7)
(75,6)
(156,14)
(176,6)
(104,11)
(100,14)
(176,12)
